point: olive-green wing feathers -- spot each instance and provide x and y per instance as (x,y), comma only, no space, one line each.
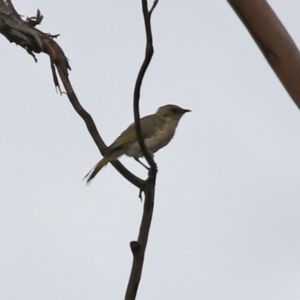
(149,125)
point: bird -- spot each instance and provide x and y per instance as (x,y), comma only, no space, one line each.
(157,129)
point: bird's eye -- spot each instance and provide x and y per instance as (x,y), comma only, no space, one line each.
(174,110)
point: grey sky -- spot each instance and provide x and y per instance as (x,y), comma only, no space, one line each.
(226,219)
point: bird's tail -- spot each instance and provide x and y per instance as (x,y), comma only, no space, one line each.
(104,161)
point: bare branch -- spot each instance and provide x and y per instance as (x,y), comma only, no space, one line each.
(25,34)
(138,84)
(138,247)
(273,40)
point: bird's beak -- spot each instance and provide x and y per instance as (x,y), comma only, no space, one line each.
(186,110)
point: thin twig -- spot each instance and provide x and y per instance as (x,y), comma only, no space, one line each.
(138,84)
(153,7)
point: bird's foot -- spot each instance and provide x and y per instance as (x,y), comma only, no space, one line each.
(142,163)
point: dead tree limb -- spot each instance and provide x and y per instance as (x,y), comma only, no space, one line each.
(23,33)
(138,247)
(273,40)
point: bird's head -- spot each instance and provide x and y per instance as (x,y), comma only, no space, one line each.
(171,112)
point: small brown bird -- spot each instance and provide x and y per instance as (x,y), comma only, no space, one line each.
(157,129)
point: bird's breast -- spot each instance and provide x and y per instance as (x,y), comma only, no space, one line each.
(157,140)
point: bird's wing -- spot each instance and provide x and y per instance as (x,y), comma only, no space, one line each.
(149,125)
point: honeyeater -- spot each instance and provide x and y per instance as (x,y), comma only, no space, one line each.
(158,129)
